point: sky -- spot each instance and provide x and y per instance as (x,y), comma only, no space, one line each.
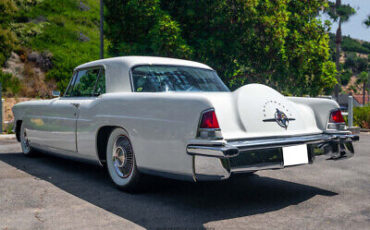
(354,27)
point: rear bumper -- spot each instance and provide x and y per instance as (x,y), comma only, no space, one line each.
(215,162)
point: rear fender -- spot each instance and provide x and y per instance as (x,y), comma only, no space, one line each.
(320,106)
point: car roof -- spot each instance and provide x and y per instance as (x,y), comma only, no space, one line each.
(130,61)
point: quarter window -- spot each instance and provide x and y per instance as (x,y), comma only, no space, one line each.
(100,84)
(87,83)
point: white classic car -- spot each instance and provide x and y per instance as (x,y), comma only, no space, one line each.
(176,118)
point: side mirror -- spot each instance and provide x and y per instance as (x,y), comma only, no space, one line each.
(55,93)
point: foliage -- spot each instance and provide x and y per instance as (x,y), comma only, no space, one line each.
(9,128)
(10,84)
(7,38)
(352,45)
(60,35)
(279,43)
(361,116)
(25,32)
(343,11)
(7,44)
(7,9)
(367,21)
(143,28)
(346,76)
(54,26)
(355,63)
(364,80)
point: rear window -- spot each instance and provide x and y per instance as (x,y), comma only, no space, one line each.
(176,78)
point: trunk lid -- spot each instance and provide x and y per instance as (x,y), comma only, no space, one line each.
(259,111)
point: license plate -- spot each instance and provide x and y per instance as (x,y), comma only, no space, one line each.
(295,155)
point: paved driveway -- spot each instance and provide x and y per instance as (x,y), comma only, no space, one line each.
(52,193)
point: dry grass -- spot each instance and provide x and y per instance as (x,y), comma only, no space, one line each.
(8,104)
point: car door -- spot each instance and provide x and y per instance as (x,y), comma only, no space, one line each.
(87,119)
(63,121)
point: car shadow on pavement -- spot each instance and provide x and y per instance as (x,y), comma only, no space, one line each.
(167,203)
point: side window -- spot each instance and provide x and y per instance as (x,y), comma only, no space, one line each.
(100,84)
(84,83)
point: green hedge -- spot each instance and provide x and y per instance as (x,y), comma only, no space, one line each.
(361,116)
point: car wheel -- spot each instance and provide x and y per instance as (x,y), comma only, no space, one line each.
(25,144)
(121,164)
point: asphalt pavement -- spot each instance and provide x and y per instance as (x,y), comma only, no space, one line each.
(48,192)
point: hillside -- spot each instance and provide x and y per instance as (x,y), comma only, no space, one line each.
(355,58)
(43,41)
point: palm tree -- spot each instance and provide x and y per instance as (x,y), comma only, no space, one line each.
(340,12)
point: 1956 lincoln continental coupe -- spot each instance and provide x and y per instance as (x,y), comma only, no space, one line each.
(176,118)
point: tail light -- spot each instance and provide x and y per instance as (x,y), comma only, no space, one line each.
(336,116)
(208,126)
(209,120)
(336,121)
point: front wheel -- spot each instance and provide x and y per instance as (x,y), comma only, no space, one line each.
(121,164)
(25,144)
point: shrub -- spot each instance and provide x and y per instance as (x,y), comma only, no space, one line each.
(361,116)
(10,85)
(7,44)
(9,128)
(345,77)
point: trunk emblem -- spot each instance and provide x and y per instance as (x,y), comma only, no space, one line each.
(280,118)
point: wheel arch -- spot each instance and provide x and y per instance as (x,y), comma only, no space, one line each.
(17,129)
(102,137)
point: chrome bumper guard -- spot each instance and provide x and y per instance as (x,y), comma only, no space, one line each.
(212,162)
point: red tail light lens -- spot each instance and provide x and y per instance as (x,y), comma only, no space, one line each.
(209,120)
(336,116)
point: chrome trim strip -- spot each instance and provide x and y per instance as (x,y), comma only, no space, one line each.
(207,129)
(256,167)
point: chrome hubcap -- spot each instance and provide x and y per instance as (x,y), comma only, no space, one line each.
(25,141)
(122,157)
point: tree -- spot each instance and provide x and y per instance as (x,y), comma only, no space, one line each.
(341,13)
(355,63)
(278,43)
(7,37)
(364,80)
(143,28)
(367,21)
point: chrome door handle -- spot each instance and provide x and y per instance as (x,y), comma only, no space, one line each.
(75,105)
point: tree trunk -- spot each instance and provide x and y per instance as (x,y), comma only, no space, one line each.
(338,41)
(364,93)
(101,29)
(338,3)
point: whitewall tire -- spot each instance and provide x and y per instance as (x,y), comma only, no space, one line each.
(121,164)
(25,144)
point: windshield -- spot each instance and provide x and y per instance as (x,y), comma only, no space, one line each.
(176,78)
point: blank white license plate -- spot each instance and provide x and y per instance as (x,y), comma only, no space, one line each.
(295,155)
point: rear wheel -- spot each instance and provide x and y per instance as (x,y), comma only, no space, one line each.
(121,164)
(25,144)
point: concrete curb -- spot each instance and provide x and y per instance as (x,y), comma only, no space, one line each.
(7,136)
